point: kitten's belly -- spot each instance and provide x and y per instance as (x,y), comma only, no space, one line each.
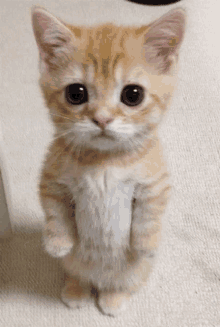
(103,215)
(103,219)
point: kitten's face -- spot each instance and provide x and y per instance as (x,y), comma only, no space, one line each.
(107,87)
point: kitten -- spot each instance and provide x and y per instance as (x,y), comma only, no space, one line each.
(104,185)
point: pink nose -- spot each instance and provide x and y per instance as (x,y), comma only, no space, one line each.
(102,122)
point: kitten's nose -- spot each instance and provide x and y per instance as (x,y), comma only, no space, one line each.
(102,122)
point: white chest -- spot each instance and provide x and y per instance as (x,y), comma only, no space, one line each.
(103,208)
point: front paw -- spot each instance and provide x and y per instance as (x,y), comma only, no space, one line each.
(56,240)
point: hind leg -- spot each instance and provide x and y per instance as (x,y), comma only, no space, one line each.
(75,293)
(113,303)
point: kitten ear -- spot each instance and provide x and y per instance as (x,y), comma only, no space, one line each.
(54,39)
(163,39)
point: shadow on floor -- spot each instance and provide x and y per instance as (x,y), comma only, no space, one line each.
(26,268)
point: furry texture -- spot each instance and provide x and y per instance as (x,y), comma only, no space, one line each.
(104,184)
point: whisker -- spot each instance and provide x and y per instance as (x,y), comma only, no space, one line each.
(62,117)
(64,124)
(62,134)
(78,149)
(51,163)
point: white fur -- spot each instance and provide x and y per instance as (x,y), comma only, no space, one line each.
(103,208)
(103,216)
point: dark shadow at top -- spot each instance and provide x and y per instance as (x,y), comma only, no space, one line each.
(154,2)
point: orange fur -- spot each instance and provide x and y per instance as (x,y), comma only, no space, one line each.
(104,184)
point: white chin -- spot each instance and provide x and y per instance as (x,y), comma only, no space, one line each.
(103,144)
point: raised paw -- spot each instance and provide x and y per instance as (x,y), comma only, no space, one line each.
(56,240)
(75,295)
(113,303)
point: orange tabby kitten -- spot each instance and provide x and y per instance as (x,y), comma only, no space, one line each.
(104,184)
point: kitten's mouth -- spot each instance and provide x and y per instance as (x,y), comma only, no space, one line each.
(103,135)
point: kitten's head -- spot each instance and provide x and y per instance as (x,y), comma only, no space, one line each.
(107,87)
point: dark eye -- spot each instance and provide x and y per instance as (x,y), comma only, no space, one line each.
(132,95)
(76,94)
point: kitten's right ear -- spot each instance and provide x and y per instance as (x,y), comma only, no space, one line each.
(54,39)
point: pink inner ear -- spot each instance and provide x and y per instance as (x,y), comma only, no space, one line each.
(42,21)
(157,52)
(167,32)
(162,41)
(52,39)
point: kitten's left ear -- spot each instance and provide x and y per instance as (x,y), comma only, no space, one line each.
(54,39)
(163,39)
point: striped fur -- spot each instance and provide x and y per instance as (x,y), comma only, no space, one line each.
(104,198)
